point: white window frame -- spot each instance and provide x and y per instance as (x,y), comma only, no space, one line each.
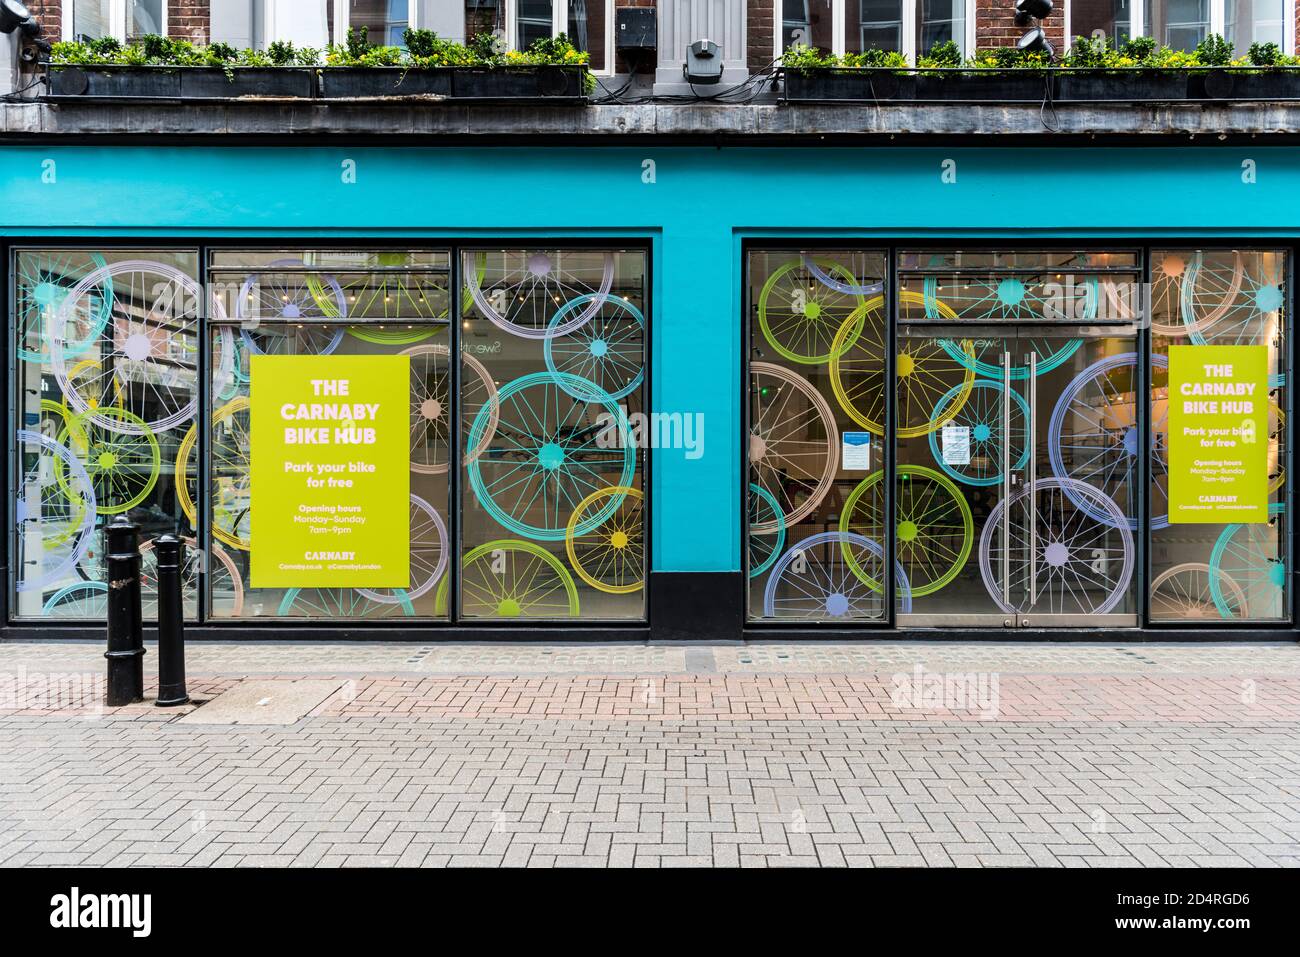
(118,12)
(560,24)
(343,16)
(839,27)
(1218,20)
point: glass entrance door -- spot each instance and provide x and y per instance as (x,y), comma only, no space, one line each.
(1018,457)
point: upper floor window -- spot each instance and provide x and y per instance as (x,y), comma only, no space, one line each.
(589,24)
(123,19)
(911,27)
(1182,24)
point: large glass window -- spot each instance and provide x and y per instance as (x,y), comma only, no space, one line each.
(588,24)
(911,27)
(88,19)
(107,388)
(554,432)
(1180,24)
(1220,570)
(814,438)
(1255,21)
(1098,19)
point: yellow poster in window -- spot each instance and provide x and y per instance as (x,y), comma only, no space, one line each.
(1218,434)
(330,471)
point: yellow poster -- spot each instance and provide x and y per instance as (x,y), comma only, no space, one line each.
(330,471)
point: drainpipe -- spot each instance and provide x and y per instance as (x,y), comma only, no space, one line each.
(8,63)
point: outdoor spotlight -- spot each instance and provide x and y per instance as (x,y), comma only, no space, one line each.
(13,15)
(1035,41)
(1038,9)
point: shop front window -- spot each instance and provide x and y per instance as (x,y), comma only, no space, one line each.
(1219,412)
(1178,24)
(554,434)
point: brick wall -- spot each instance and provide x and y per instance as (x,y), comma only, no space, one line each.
(995,25)
(758,30)
(50,15)
(189,20)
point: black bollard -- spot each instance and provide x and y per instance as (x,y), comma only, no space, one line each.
(125,652)
(170,553)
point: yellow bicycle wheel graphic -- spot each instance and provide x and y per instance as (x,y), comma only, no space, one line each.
(120,454)
(512,578)
(934,531)
(609,557)
(799,314)
(230,469)
(925,372)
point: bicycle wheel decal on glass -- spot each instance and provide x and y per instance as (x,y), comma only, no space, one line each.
(933,531)
(792,453)
(1077,563)
(513,579)
(550,452)
(55,520)
(43,280)
(336,603)
(607,349)
(609,557)
(428,538)
(123,463)
(980,416)
(1093,437)
(285,310)
(430,408)
(827,576)
(1184,592)
(520,290)
(764,547)
(800,315)
(1249,556)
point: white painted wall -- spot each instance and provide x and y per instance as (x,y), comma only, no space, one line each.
(8,62)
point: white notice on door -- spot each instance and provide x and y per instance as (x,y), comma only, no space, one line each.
(855,451)
(956,444)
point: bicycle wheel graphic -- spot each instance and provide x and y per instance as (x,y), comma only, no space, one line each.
(934,532)
(549,453)
(607,349)
(521,294)
(86,375)
(764,548)
(407,301)
(302,311)
(1007,299)
(829,278)
(1183,592)
(155,326)
(82,600)
(1249,557)
(512,579)
(225,579)
(430,408)
(1210,294)
(610,557)
(792,439)
(800,315)
(1081,565)
(981,416)
(231,446)
(55,520)
(428,537)
(1251,316)
(1094,426)
(338,603)
(818,579)
(42,282)
(123,463)
(924,372)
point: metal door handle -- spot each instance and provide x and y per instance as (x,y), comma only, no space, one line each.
(1032,360)
(1007,479)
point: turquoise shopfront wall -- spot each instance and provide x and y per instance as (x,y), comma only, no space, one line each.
(695,205)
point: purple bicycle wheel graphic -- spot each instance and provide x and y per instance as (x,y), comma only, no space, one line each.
(814,581)
(58,517)
(1079,564)
(428,556)
(522,293)
(1093,438)
(289,298)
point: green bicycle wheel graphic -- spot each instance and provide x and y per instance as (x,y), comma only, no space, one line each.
(800,315)
(509,578)
(934,532)
(120,454)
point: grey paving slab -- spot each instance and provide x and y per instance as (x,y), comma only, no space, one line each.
(263,702)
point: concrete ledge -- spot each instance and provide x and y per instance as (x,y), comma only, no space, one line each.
(260,119)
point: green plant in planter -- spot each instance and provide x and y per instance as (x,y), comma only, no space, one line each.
(875,59)
(1214,50)
(803,57)
(942,56)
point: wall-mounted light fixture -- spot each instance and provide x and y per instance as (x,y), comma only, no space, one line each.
(14,16)
(1033,12)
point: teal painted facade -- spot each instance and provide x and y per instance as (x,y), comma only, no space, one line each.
(693,205)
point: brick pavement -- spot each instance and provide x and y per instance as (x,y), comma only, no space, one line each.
(753,756)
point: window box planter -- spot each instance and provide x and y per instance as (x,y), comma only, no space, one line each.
(155,82)
(518,83)
(955,86)
(1254,83)
(368,82)
(1127,86)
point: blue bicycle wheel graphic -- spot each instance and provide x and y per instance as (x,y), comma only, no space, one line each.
(1050,352)
(813,581)
(82,600)
(548,453)
(299,306)
(340,603)
(1249,557)
(608,349)
(981,416)
(59,516)
(1248,312)
(1094,426)
(764,547)
(43,281)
